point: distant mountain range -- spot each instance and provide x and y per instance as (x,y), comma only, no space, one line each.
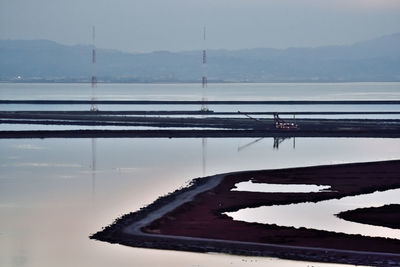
(43,60)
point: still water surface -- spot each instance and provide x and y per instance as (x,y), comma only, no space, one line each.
(249,186)
(55,192)
(303,215)
(253,91)
(52,196)
(191,91)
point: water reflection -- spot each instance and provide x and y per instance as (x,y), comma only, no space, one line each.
(277,141)
(249,186)
(321,215)
(240,148)
(204,155)
(46,186)
(93,167)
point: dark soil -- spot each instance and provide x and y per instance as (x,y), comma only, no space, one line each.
(202,217)
(387,216)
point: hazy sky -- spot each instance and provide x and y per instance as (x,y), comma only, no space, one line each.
(147,25)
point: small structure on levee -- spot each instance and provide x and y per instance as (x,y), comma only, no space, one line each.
(278,122)
(281,124)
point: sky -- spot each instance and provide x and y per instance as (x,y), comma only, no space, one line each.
(176,25)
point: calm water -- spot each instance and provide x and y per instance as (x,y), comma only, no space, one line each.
(301,215)
(51,198)
(55,192)
(249,186)
(270,91)
(241,91)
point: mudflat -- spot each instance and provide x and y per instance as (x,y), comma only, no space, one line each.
(197,222)
(387,216)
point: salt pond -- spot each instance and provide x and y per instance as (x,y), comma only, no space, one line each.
(249,186)
(54,193)
(321,215)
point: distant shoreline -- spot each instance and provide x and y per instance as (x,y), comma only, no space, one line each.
(199,102)
(198,82)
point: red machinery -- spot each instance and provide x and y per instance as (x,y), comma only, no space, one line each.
(278,122)
(281,124)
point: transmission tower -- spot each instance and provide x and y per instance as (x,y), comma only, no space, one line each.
(94,78)
(204,99)
(204,78)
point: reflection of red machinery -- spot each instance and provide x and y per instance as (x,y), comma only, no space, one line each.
(281,124)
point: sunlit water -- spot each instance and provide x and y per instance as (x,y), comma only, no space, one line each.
(55,192)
